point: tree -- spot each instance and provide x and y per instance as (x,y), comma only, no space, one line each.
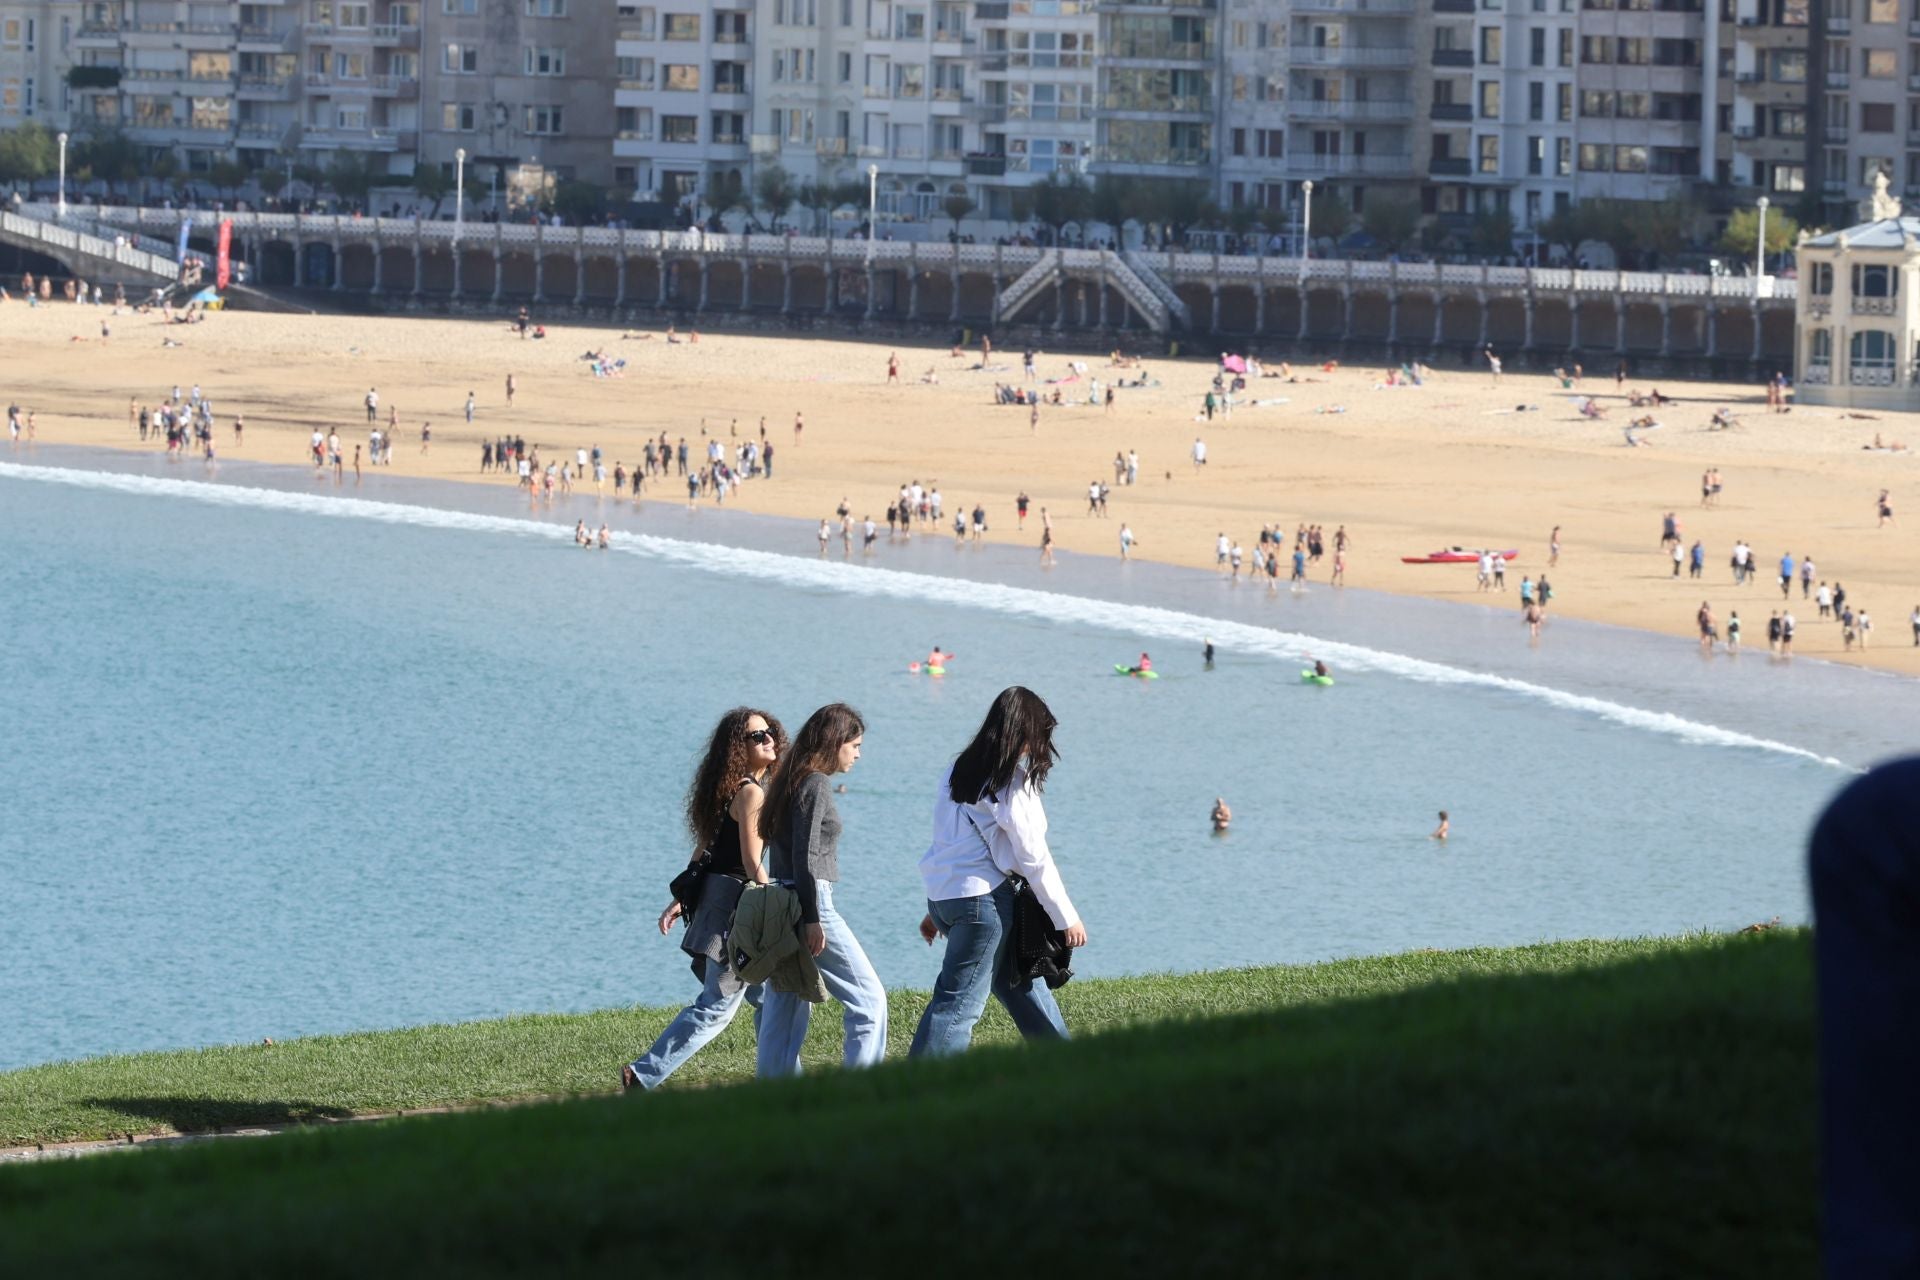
(227,175)
(1062,198)
(1176,203)
(1391,222)
(109,156)
(1112,203)
(957,207)
(28,153)
(577,202)
(351,175)
(430,182)
(773,187)
(728,192)
(1332,218)
(1022,204)
(270,180)
(1743,228)
(1491,235)
(1662,227)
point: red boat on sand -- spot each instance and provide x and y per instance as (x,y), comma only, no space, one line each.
(1455,555)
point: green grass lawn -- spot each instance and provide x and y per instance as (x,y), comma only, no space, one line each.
(1609,1109)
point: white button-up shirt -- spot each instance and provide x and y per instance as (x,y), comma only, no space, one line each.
(976,846)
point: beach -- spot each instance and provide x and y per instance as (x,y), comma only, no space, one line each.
(1406,470)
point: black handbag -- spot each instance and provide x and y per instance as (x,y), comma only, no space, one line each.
(1034,948)
(685,887)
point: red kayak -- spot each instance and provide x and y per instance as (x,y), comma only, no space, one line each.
(1455,555)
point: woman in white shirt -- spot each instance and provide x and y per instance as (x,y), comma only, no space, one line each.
(987,823)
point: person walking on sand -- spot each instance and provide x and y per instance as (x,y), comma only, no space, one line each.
(988,826)
(1020,505)
(426,437)
(1126,541)
(1708,631)
(373,404)
(801,825)
(893,368)
(1553,548)
(1033,418)
(1786,574)
(799,425)
(1199,454)
(469,408)
(1786,633)
(1493,363)
(1733,632)
(1884,505)
(723,808)
(513,385)
(1046,537)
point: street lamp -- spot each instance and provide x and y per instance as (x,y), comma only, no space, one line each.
(1306,223)
(1760,243)
(459,191)
(873,207)
(63,174)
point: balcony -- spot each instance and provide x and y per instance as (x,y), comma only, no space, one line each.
(264,135)
(1390,165)
(1836,133)
(1185,105)
(830,146)
(1874,306)
(1451,111)
(990,12)
(1371,109)
(636,86)
(404,88)
(1453,57)
(1913,82)
(266,39)
(1839,24)
(876,91)
(394,35)
(96,35)
(1157,50)
(1838,79)
(1353,55)
(1749,77)
(1743,131)
(948,40)
(634,135)
(987,166)
(637,32)
(1449,166)
(317,138)
(727,37)
(266,88)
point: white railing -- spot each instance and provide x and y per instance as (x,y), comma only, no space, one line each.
(1878,376)
(58,237)
(1143,269)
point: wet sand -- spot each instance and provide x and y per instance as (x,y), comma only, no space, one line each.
(1406,470)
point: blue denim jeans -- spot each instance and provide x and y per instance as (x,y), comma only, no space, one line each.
(696,1024)
(977,931)
(850,979)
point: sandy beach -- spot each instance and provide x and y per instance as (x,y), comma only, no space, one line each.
(1406,470)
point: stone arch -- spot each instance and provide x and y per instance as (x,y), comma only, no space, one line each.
(1507,322)
(1371,313)
(558,275)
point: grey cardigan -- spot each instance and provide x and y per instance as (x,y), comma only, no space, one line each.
(806,847)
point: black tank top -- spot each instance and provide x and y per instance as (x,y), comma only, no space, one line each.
(727,858)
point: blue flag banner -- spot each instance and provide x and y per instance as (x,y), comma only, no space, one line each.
(186,227)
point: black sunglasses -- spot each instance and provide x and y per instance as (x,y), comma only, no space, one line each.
(759,736)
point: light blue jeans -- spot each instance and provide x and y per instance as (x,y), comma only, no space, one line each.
(696,1024)
(977,932)
(850,979)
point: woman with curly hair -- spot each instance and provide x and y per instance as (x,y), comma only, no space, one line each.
(723,812)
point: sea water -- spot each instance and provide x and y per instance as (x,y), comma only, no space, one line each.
(279,760)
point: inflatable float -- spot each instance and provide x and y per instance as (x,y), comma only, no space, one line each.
(1121,670)
(1308,677)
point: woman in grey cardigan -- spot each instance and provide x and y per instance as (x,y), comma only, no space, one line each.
(801,825)
(723,812)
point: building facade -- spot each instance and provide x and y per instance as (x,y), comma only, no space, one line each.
(36,48)
(1857,334)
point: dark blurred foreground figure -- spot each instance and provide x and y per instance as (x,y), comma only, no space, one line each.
(1865,869)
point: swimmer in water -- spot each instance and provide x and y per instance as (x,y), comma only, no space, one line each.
(1440,832)
(1146,665)
(1206,653)
(1222,815)
(939,657)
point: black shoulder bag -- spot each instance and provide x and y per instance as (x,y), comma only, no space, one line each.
(685,887)
(1034,948)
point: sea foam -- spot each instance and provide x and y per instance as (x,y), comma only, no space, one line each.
(861,579)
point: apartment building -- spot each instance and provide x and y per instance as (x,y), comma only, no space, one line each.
(36,48)
(521,86)
(1864,71)
(1037,101)
(1155,78)
(1761,137)
(684,77)
(1642,96)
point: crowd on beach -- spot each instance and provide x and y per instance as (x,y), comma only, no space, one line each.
(757,898)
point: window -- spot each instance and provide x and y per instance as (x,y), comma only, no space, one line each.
(353,15)
(460,59)
(1536,160)
(1634,106)
(1875,282)
(546,61)
(1237,142)
(685,128)
(1490,42)
(542,120)
(1565,105)
(1630,159)
(1790,178)
(1566,46)
(460,6)
(1788,66)
(843,69)
(1882,10)
(1872,166)
(1820,350)
(1633,51)
(1489,153)
(350,66)
(1876,117)
(546,8)
(1822,279)
(1536,101)
(634,69)
(1595,158)
(1489,99)
(1563,164)
(1537,47)
(1871,355)
(1789,123)
(1596,49)
(1879,64)
(681,78)
(681,26)
(456,117)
